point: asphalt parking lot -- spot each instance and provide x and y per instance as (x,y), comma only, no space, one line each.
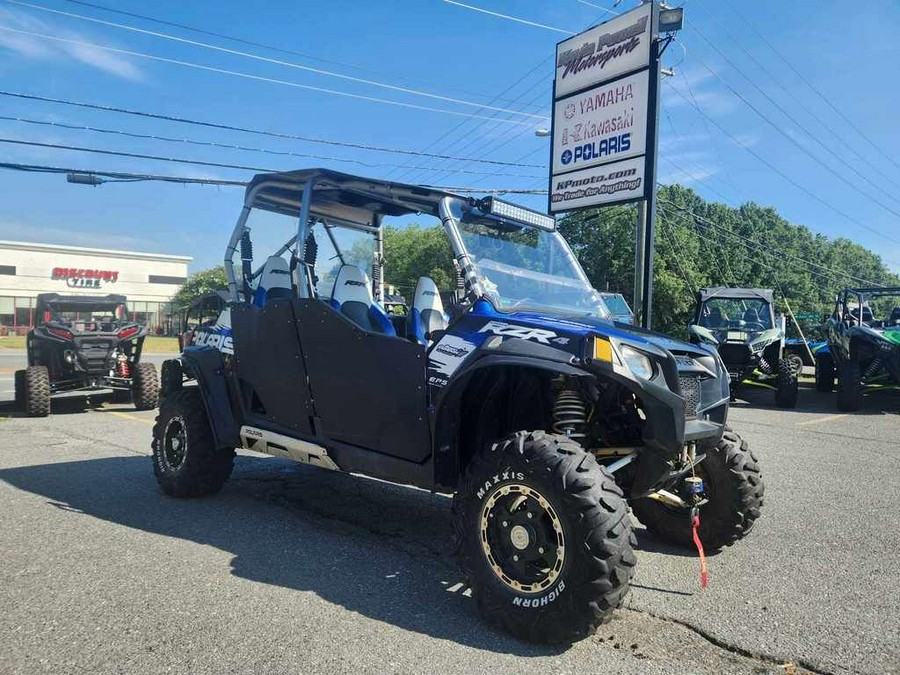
(294,569)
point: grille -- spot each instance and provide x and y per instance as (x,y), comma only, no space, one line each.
(734,355)
(690,390)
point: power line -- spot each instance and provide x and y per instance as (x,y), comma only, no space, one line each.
(122,176)
(822,96)
(288,64)
(757,244)
(227,146)
(602,9)
(36,168)
(778,127)
(248,76)
(258,132)
(239,40)
(509,18)
(845,147)
(785,176)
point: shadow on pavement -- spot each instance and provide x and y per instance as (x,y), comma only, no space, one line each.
(813,401)
(299,528)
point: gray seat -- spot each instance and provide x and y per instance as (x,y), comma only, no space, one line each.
(427,312)
(274,281)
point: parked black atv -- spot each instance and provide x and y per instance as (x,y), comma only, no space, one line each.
(84,343)
(863,349)
(741,324)
(543,417)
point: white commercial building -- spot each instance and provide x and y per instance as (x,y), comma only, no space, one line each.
(148,280)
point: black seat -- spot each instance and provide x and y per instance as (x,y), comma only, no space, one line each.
(751,315)
(352,297)
(274,281)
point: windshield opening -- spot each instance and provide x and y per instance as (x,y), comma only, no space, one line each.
(526,269)
(875,310)
(103,320)
(744,313)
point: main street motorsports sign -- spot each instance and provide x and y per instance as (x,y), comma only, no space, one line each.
(602,114)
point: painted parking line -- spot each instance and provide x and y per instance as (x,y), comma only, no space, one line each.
(818,420)
(129,416)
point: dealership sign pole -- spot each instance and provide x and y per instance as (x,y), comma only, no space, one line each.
(604,139)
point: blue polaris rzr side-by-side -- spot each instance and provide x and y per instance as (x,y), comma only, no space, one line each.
(521,397)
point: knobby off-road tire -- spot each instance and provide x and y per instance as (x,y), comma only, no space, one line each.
(186,461)
(36,391)
(171,378)
(825,374)
(591,563)
(144,387)
(19,387)
(795,360)
(787,386)
(849,390)
(734,488)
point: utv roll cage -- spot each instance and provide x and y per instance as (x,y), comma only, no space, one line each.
(843,310)
(54,302)
(341,200)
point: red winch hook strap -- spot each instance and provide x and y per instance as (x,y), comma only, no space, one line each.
(695,531)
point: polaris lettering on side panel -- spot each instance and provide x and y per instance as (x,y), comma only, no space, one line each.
(224,343)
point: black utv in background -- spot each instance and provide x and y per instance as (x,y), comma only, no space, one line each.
(84,343)
(741,323)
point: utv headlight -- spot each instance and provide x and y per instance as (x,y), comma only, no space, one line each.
(637,363)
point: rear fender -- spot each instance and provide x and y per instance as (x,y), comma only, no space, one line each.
(205,365)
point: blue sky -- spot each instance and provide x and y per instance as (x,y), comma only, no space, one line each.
(847,52)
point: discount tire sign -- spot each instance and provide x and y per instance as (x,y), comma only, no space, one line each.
(602,113)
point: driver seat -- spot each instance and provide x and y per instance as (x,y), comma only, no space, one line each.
(751,315)
(427,312)
(274,281)
(352,297)
(713,319)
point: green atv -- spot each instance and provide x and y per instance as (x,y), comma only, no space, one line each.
(741,323)
(863,349)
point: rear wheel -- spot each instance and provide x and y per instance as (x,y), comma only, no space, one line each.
(825,374)
(734,492)
(36,391)
(543,536)
(144,387)
(186,461)
(849,391)
(795,360)
(19,387)
(787,387)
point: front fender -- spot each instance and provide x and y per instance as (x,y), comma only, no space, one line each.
(447,413)
(206,366)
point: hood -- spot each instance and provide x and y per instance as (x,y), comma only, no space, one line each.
(590,325)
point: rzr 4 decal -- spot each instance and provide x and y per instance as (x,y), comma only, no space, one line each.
(523,332)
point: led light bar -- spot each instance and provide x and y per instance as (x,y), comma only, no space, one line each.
(502,209)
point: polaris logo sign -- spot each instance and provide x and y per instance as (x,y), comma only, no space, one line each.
(601,118)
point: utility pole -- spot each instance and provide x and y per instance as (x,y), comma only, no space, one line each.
(637,300)
(647,208)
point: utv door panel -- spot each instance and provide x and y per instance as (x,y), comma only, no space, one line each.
(270,363)
(368,388)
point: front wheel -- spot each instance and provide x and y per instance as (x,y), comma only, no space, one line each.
(543,536)
(36,391)
(825,374)
(849,391)
(787,386)
(186,461)
(734,496)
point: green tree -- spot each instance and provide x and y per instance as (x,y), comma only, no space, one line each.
(413,252)
(199,284)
